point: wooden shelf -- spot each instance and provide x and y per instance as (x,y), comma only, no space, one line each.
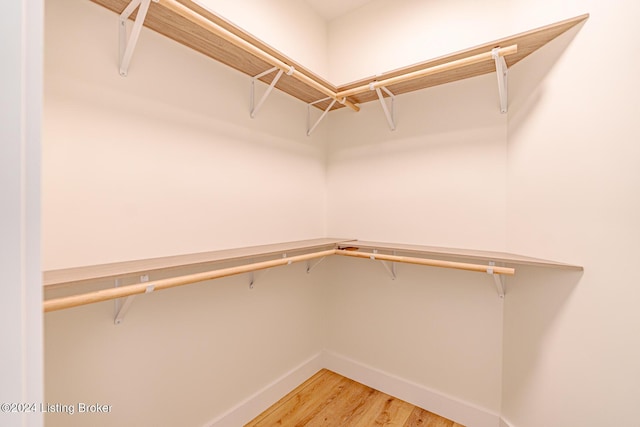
(496,264)
(462,254)
(189,33)
(78,275)
(527,42)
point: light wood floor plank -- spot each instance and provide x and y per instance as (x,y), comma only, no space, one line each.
(422,418)
(331,400)
(302,403)
(385,410)
(347,406)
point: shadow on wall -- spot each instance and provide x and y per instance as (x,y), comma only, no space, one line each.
(526,78)
(535,300)
(441,114)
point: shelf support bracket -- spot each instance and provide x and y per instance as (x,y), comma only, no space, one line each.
(310,128)
(389,113)
(390,266)
(501,71)
(122,305)
(311,266)
(256,108)
(128,45)
(498,280)
(252,274)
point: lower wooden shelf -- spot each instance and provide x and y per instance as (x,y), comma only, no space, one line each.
(505,258)
(496,264)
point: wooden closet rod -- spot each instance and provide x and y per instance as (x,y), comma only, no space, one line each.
(141,288)
(206,24)
(430,262)
(146,287)
(459,63)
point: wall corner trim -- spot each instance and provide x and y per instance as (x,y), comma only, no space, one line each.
(449,407)
(455,409)
(255,404)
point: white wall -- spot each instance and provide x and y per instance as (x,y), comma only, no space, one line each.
(167,161)
(392,34)
(387,34)
(21,290)
(441,329)
(571,344)
(290,26)
(184,356)
(569,339)
(439,179)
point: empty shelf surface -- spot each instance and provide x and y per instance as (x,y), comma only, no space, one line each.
(103,271)
(471,254)
(190,33)
(527,42)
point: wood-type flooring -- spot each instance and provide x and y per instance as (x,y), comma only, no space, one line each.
(331,400)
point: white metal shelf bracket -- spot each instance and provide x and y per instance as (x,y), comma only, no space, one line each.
(310,128)
(128,45)
(501,72)
(252,274)
(311,266)
(389,112)
(390,266)
(498,280)
(256,108)
(122,305)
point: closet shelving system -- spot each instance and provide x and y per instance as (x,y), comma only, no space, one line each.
(313,251)
(200,29)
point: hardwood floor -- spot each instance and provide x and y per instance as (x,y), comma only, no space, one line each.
(331,400)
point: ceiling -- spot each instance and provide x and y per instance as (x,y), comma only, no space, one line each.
(331,9)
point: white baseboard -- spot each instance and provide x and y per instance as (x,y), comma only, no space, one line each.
(255,404)
(449,407)
(454,409)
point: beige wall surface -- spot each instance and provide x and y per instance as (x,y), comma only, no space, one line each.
(291,26)
(438,328)
(569,157)
(439,179)
(182,357)
(166,160)
(571,343)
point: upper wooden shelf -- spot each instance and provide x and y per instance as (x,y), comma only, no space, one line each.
(527,42)
(67,276)
(190,33)
(466,254)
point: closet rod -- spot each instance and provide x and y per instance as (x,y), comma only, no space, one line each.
(459,63)
(141,288)
(147,287)
(430,262)
(206,24)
